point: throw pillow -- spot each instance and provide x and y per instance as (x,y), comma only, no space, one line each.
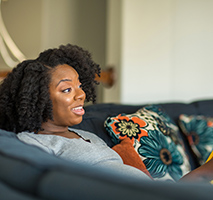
(199,132)
(129,155)
(155,138)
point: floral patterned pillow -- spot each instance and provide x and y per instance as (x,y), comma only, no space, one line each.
(199,132)
(155,138)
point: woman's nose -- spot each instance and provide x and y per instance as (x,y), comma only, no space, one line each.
(80,94)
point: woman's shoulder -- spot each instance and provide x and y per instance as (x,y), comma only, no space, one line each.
(34,139)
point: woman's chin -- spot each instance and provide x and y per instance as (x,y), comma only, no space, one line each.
(77,121)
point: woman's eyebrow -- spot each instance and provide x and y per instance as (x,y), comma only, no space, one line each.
(63,80)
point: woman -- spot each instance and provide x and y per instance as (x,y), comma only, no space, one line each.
(24,95)
(41,99)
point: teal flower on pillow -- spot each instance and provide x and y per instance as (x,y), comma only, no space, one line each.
(160,156)
(202,138)
(199,132)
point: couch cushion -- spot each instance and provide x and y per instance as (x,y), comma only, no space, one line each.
(23,165)
(33,172)
(9,193)
(26,168)
(156,139)
(64,186)
(129,156)
(199,132)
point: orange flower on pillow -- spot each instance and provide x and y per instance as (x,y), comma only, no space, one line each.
(129,127)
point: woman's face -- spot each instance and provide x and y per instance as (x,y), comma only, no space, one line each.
(67,96)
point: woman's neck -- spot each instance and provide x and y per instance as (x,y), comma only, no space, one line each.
(52,129)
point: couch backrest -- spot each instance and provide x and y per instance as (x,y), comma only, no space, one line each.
(96,114)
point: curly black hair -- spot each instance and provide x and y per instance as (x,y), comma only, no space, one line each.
(24,94)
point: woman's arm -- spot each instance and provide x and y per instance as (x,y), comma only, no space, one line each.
(203,173)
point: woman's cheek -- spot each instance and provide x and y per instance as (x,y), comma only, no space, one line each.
(68,100)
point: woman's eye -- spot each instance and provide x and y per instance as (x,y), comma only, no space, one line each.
(66,90)
(80,86)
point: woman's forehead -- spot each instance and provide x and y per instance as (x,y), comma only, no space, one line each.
(63,72)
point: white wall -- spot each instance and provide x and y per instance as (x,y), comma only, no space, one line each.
(161,49)
(146,46)
(166,50)
(58,16)
(80,22)
(193,49)
(23,19)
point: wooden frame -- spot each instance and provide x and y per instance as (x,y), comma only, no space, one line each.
(3,74)
(107,77)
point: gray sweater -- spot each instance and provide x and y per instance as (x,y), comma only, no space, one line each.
(89,149)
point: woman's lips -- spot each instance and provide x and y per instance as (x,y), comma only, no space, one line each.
(78,110)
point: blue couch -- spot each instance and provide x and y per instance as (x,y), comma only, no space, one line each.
(27,172)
